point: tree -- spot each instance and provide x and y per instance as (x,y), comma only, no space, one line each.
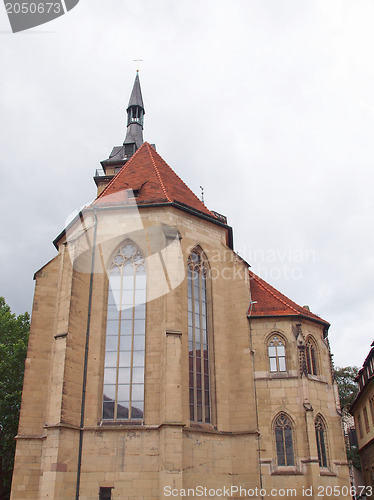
(14,332)
(348,388)
(345,378)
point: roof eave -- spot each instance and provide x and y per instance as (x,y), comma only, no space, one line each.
(184,208)
(303,316)
(360,393)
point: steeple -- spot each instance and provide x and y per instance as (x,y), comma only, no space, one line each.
(135,117)
(133,140)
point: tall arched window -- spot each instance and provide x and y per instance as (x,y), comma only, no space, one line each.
(125,336)
(198,347)
(284,441)
(321,441)
(311,356)
(277,354)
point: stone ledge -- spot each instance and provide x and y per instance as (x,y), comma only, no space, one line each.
(174,332)
(61,335)
(30,436)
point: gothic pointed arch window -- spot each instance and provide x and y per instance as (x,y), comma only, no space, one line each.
(277,354)
(311,356)
(198,338)
(320,428)
(283,430)
(123,394)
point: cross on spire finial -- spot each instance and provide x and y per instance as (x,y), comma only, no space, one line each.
(137,61)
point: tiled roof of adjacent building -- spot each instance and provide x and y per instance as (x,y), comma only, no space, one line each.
(267,301)
(153,180)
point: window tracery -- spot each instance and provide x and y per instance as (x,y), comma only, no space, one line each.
(277,354)
(284,441)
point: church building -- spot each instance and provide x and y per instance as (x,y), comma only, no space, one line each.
(160,365)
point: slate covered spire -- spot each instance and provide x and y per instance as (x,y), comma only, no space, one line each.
(133,140)
(135,116)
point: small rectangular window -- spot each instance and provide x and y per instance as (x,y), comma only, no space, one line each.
(360,426)
(372,409)
(105,493)
(367,427)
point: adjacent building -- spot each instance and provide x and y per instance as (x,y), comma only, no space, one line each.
(363,411)
(159,362)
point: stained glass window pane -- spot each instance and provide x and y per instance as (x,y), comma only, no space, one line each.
(125,345)
(123,375)
(281,351)
(124,392)
(126,327)
(137,392)
(138,358)
(137,411)
(139,327)
(198,340)
(108,410)
(284,441)
(110,359)
(321,445)
(138,375)
(280,447)
(273,364)
(123,410)
(112,327)
(110,375)
(289,446)
(109,392)
(111,343)
(282,364)
(139,343)
(272,351)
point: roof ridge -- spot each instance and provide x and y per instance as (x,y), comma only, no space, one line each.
(182,182)
(157,172)
(261,283)
(124,166)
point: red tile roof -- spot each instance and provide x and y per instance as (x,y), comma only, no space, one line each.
(267,301)
(147,172)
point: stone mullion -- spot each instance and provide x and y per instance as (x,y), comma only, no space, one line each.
(202,347)
(194,347)
(118,345)
(132,340)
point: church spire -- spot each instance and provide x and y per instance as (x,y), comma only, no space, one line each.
(133,140)
(135,116)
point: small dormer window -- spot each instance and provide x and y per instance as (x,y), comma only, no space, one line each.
(129,149)
(133,193)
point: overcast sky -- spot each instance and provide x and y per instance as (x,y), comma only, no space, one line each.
(268,104)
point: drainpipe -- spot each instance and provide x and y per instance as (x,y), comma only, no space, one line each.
(83,404)
(255,389)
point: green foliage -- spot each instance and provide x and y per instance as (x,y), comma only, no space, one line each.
(345,378)
(354,457)
(14,332)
